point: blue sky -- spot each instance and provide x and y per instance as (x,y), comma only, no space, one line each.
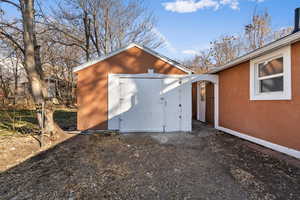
(189,25)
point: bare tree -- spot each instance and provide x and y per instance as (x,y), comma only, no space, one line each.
(106,24)
(16,71)
(15,60)
(258,31)
(5,80)
(281,33)
(221,51)
(225,49)
(11,68)
(58,62)
(30,49)
(201,62)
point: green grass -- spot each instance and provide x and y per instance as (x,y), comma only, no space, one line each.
(22,122)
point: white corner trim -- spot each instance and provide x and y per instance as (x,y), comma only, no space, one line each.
(150,51)
(258,52)
(276,147)
(201,108)
(286,94)
(216,102)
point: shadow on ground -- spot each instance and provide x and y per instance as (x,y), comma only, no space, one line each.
(202,165)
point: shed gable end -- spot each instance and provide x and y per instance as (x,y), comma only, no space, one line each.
(128,49)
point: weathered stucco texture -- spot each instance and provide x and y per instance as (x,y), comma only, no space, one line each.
(92,84)
(275,121)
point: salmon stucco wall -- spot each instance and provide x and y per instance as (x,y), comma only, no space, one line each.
(92,84)
(274,121)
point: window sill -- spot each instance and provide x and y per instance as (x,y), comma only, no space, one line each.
(270,97)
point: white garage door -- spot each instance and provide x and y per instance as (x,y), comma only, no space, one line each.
(172,104)
(141,105)
(149,104)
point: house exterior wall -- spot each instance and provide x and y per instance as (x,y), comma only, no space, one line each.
(92,84)
(276,121)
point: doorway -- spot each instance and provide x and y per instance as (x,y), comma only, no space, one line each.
(203,102)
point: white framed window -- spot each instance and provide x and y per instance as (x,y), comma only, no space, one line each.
(270,76)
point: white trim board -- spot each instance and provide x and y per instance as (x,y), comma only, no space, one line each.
(149,75)
(276,147)
(216,102)
(150,51)
(205,77)
(201,104)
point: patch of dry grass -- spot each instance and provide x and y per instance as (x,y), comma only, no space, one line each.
(20,122)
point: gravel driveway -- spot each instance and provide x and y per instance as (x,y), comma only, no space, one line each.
(204,164)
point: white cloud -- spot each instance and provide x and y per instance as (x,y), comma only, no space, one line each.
(234,4)
(187,6)
(190,52)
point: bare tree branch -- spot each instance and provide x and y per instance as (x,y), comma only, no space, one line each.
(11,3)
(10,38)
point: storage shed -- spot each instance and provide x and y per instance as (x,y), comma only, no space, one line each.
(135,89)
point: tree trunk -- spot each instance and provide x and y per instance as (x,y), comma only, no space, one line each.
(106,32)
(16,77)
(34,70)
(96,35)
(87,25)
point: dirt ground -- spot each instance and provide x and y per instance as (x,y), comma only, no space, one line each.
(204,164)
(16,149)
(19,139)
